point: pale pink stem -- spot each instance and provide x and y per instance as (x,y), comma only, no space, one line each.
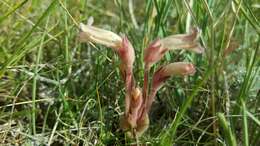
(150,100)
(127,104)
(148,104)
(145,91)
(146,84)
(128,87)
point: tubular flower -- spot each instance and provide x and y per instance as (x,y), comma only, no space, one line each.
(135,120)
(107,38)
(163,73)
(96,35)
(121,46)
(156,50)
(172,69)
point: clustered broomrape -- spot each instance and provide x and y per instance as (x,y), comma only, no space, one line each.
(138,102)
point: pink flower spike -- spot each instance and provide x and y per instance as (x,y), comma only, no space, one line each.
(127,56)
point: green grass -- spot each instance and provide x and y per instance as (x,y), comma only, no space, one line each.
(57,91)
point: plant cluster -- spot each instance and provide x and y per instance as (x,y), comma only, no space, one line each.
(138,101)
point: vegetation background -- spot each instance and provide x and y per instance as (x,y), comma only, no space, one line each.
(57,91)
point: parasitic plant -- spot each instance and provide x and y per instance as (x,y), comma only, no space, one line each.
(138,101)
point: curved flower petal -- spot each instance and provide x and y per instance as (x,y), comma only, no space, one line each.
(100,36)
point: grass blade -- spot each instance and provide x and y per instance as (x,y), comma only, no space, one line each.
(229,136)
(245,125)
(12,11)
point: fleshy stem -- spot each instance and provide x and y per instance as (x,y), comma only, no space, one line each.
(136,137)
(150,100)
(128,86)
(146,84)
(145,92)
